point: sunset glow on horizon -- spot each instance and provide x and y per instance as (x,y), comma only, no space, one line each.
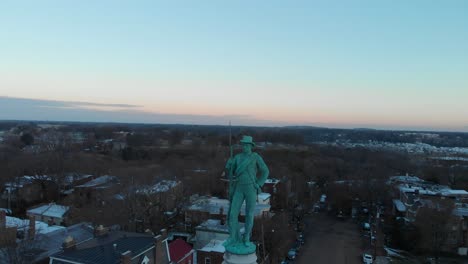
(398,65)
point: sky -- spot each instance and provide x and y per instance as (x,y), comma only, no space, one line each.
(377,64)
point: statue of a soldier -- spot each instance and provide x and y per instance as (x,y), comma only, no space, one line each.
(244,185)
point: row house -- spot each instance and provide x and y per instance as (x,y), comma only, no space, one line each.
(113,246)
(413,195)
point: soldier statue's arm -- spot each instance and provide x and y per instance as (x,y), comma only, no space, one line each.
(263,171)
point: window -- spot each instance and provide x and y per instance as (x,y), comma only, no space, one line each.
(207,260)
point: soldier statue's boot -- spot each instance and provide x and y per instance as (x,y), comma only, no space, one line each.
(246,240)
(228,242)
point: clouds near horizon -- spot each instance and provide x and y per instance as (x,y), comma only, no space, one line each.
(51,110)
(396,64)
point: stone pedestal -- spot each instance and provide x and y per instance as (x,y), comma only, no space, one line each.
(231,258)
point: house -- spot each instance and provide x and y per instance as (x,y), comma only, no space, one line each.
(210,236)
(30,228)
(39,249)
(73,179)
(281,192)
(14,230)
(209,230)
(96,190)
(211,253)
(111,246)
(166,194)
(181,252)
(27,190)
(413,195)
(52,213)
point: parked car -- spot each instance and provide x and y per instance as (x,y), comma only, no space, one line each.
(316,208)
(297,246)
(292,254)
(366,226)
(300,239)
(340,215)
(367,258)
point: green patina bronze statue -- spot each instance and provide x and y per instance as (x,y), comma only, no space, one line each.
(244,185)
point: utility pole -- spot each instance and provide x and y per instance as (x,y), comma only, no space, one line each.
(263,241)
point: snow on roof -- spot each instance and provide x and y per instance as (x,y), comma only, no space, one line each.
(50,210)
(119,196)
(413,189)
(272,181)
(215,225)
(214,246)
(213,205)
(406,179)
(100,181)
(23,225)
(399,205)
(264,196)
(431,189)
(70,178)
(448,192)
(19,182)
(451,158)
(7,211)
(162,186)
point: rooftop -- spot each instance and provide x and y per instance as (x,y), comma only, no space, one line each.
(264,196)
(23,225)
(431,189)
(272,181)
(405,179)
(100,182)
(19,182)
(51,243)
(399,205)
(216,226)
(162,186)
(214,246)
(213,205)
(178,249)
(72,177)
(50,210)
(102,249)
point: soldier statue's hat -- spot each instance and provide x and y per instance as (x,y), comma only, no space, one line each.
(247,140)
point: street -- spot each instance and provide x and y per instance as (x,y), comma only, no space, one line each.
(329,241)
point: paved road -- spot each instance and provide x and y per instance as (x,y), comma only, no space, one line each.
(330,241)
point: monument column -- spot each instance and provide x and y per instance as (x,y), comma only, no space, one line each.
(231,258)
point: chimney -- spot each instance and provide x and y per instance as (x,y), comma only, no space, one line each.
(69,243)
(32,228)
(163,233)
(2,219)
(100,231)
(159,250)
(126,257)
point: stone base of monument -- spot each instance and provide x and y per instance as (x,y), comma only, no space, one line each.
(232,258)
